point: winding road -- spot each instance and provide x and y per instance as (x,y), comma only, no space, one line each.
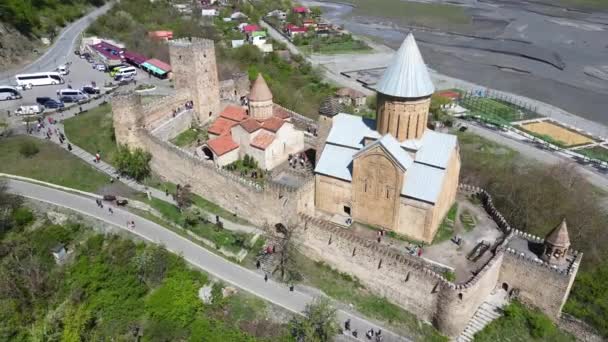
(62,45)
(217,266)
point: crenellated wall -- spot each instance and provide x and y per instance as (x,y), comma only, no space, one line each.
(171,128)
(157,112)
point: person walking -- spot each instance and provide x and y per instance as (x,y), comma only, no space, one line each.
(97,157)
(69,147)
(258,264)
(265,277)
(110,211)
(347,325)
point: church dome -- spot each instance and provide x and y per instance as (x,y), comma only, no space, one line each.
(259,90)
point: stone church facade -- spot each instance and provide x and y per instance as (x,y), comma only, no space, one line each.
(393,173)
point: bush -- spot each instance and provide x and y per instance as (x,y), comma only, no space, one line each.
(22,216)
(135,164)
(28,149)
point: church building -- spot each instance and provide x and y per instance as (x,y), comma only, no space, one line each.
(394,172)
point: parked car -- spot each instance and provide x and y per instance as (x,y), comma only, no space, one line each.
(53,104)
(91,90)
(42,100)
(63,70)
(28,110)
(85,55)
(100,67)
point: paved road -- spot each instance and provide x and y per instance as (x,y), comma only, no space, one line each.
(60,48)
(229,272)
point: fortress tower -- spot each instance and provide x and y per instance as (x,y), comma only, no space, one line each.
(557,244)
(329,107)
(127,117)
(404,94)
(260,100)
(194,69)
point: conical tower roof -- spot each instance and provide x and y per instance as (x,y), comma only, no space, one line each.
(259,90)
(330,106)
(559,236)
(407,75)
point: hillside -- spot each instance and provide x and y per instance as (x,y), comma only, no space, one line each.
(24,22)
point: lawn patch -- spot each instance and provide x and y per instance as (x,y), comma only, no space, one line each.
(595,152)
(446,228)
(93,131)
(51,164)
(189,136)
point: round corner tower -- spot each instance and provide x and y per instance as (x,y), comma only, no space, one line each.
(404,94)
(556,244)
(260,100)
(126,117)
(195,69)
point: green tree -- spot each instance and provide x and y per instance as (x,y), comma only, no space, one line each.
(152,264)
(316,11)
(135,164)
(318,324)
(183,196)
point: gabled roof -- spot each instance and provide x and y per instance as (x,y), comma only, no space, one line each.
(559,236)
(250,125)
(259,90)
(234,113)
(222,145)
(435,148)
(272,124)
(262,140)
(390,145)
(337,162)
(349,130)
(423,183)
(221,126)
(407,75)
(280,112)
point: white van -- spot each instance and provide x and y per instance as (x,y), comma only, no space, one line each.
(71,95)
(128,71)
(29,110)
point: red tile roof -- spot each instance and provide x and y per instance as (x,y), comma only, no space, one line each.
(221,126)
(251,28)
(449,94)
(234,113)
(262,140)
(250,125)
(280,113)
(272,124)
(300,9)
(222,145)
(161,34)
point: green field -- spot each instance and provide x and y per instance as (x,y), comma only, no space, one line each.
(331,45)
(189,136)
(595,152)
(413,13)
(496,111)
(51,164)
(93,131)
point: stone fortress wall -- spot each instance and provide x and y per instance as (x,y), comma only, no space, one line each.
(403,279)
(413,284)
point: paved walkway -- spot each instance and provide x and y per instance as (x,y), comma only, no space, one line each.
(229,272)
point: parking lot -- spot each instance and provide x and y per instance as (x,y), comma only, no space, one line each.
(81,74)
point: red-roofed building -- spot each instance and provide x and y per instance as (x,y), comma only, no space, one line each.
(221,148)
(250,125)
(301,10)
(234,113)
(262,140)
(294,30)
(309,22)
(449,94)
(268,139)
(161,35)
(250,28)
(221,126)
(272,124)
(134,58)
(110,54)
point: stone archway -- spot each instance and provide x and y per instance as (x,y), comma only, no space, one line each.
(207,153)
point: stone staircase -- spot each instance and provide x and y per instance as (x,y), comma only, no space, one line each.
(486,313)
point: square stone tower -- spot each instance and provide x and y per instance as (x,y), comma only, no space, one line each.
(194,68)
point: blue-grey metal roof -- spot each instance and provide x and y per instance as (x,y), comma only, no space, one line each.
(436,148)
(407,75)
(349,130)
(423,183)
(391,145)
(336,161)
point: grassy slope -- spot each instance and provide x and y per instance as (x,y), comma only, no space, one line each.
(93,131)
(52,164)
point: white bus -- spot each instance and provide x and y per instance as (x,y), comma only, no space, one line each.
(9,93)
(39,79)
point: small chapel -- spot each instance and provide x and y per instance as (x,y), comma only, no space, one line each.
(262,130)
(393,172)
